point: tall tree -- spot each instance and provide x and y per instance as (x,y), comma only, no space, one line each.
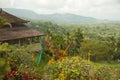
(77,39)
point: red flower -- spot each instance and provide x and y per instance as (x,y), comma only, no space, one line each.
(35,78)
(8,74)
(14,72)
(11,75)
(25,77)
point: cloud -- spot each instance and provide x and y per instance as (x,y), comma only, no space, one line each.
(108,9)
(12,3)
(47,4)
(3,3)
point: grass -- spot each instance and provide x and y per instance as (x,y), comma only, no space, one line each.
(113,64)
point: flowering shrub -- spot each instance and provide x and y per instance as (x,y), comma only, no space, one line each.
(69,68)
(12,75)
(17,75)
(75,68)
(51,61)
(25,65)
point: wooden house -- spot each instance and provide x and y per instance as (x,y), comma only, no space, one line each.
(19,32)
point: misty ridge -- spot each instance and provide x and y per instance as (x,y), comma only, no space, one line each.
(60,18)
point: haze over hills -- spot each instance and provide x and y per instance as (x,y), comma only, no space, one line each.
(58,18)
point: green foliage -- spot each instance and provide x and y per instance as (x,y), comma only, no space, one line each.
(4,47)
(105,71)
(63,40)
(78,69)
(2,21)
(115,48)
(94,32)
(69,68)
(23,59)
(76,45)
(44,26)
(4,67)
(69,43)
(100,31)
(58,41)
(100,51)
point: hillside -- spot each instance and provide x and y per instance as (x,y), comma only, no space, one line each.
(89,51)
(57,18)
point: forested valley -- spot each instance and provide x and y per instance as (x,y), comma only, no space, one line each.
(71,52)
(101,40)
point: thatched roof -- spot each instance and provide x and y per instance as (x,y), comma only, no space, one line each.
(20,32)
(11,18)
(17,31)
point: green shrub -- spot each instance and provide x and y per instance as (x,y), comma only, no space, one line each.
(24,63)
(3,50)
(69,68)
(106,73)
(4,47)
(75,68)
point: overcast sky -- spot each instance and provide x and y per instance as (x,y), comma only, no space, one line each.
(102,9)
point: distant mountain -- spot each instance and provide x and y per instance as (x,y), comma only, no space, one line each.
(67,18)
(58,18)
(23,13)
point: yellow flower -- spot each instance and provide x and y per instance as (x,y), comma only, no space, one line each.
(63,53)
(51,61)
(61,76)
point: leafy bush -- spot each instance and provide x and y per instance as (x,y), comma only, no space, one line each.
(24,63)
(3,49)
(106,73)
(69,68)
(23,59)
(4,67)
(75,68)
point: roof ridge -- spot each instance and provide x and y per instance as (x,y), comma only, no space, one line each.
(11,18)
